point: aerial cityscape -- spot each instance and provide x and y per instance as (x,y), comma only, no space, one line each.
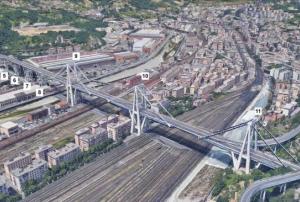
(150,100)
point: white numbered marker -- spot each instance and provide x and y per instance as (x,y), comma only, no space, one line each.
(258,111)
(26,86)
(14,80)
(39,92)
(145,75)
(4,76)
(76,56)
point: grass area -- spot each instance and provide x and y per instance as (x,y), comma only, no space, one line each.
(24,46)
(219,95)
(10,198)
(63,142)
(16,113)
(279,127)
(180,105)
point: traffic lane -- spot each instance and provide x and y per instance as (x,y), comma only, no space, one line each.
(267,183)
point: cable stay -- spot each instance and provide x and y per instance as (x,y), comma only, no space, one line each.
(269,147)
(273,137)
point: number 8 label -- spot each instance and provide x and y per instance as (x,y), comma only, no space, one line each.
(39,92)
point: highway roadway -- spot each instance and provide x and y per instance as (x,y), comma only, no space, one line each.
(263,184)
(281,139)
(201,133)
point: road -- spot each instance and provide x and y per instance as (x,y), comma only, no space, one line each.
(261,185)
(281,139)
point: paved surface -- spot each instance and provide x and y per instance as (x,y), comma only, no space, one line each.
(267,183)
(281,139)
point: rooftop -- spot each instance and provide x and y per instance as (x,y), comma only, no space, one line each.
(43,147)
(21,156)
(35,164)
(12,94)
(66,149)
(8,125)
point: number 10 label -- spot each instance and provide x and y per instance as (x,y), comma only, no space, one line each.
(145,75)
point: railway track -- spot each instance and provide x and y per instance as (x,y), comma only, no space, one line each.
(108,178)
(78,177)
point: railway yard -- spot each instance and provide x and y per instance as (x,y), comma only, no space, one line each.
(142,169)
(146,168)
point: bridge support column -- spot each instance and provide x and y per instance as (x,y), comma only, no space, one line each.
(245,150)
(138,123)
(275,149)
(282,188)
(262,195)
(70,91)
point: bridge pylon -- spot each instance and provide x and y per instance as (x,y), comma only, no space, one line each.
(138,123)
(249,142)
(71,99)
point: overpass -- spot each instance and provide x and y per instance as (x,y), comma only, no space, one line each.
(281,139)
(232,147)
(263,184)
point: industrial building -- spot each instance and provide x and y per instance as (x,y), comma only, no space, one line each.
(9,128)
(87,59)
(37,114)
(125,57)
(65,154)
(19,95)
(34,171)
(147,33)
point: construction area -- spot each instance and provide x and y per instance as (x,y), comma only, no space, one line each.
(142,169)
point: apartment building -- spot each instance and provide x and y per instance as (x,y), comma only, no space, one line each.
(119,130)
(34,171)
(87,140)
(42,152)
(20,161)
(65,154)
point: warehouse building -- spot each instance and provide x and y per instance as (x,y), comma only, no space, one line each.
(19,95)
(9,128)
